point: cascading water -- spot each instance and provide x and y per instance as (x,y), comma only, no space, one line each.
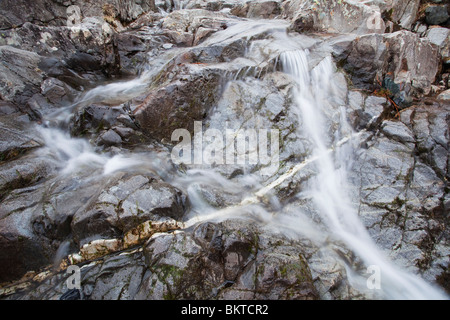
(328,192)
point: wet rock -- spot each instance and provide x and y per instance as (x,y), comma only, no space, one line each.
(22,173)
(436,14)
(115,277)
(189,27)
(177,105)
(7,108)
(367,62)
(19,74)
(16,138)
(338,16)
(240,10)
(125,205)
(96,118)
(257,9)
(403,12)
(302,23)
(217,262)
(110,138)
(263,9)
(62,13)
(444,95)
(16,13)
(63,41)
(191,20)
(397,131)
(56,91)
(132,48)
(73,294)
(441,38)
(184,39)
(53,214)
(201,34)
(131,10)
(21,250)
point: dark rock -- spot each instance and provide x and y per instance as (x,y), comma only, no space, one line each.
(263,9)
(177,105)
(7,108)
(16,138)
(408,61)
(56,91)
(126,204)
(59,13)
(437,14)
(73,294)
(19,74)
(302,23)
(224,261)
(95,118)
(338,16)
(20,249)
(81,61)
(16,13)
(23,173)
(240,10)
(110,138)
(130,10)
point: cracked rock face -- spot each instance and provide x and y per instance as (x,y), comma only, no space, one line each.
(402,174)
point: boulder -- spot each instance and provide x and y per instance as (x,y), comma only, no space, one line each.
(16,137)
(337,16)
(399,59)
(436,14)
(110,138)
(126,204)
(401,181)
(23,173)
(189,27)
(20,76)
(224,261)
(176,105)
(21,249)
(440,37)
(257,9)
(15,13)
(302,23)
(404,13)
(65,13)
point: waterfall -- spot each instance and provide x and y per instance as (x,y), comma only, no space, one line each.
(328,191)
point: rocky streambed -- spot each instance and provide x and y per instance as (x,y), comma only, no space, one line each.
(356,92)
